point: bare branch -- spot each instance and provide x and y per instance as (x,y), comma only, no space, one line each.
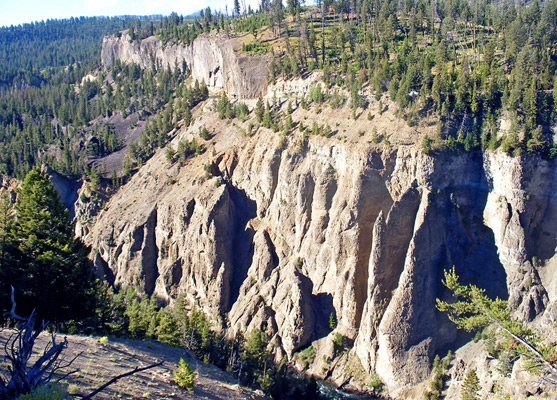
(18,350)
(12,311)
(537,355)
(117,378)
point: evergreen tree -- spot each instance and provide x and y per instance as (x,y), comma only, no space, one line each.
(183,375)
(470,387)
(167,329)
(257,360)
(426,145)
(474,311)
(53,274)
(236,7)
(537,143)
(7,247)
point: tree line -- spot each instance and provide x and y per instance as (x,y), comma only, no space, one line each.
(467,64)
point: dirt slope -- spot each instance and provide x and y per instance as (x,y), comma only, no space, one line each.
(98,363)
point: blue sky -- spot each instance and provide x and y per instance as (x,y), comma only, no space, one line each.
(14,12)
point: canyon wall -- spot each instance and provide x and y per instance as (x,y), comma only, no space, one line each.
(217,61)
(289,233)
(282,239)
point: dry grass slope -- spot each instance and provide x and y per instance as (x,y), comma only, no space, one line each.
(99,362)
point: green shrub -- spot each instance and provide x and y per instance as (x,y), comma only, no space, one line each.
(375,383)
(73,389)
(48,392)
(338,340)
(306,356)
(332,321)
(426,145)
(470,387)
(183,375)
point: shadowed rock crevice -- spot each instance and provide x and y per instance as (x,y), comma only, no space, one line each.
(323,308)
(373,199)
(389,254)
(103,271)
(242,241)
(274,166)
(150,254)
(176,273)
(305,192)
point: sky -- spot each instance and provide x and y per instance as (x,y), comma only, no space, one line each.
(15,12)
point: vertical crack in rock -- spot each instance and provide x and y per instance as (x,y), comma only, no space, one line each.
(391,239)
(304,204)
(273,261)
(275,168)
(103,269)
(373,198)
(407,330)
(242,240)
(150,253)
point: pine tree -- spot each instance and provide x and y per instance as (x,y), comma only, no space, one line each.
(167,328)
(426,145)
(257,359)
(53,274)
(537,143)
(236,7)
(332,321)
(470,387)
(474,311)
(531,104)
(7,248)
(259,109)
(183,375)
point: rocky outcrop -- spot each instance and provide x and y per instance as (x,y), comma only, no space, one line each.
(214,60)
(282,240)
(67,189)
(9,185)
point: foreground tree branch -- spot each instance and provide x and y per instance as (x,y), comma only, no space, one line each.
(477,311)
(117,378)
(18,350)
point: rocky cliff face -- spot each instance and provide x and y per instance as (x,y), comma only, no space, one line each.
(214,60)
(282,239)
(285,235)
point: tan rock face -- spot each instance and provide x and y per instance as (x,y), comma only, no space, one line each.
(284,239)
(215,61)
(360,232)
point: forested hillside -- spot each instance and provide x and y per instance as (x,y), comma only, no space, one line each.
(465,63)
(456,64)
(31,53)
(41,65)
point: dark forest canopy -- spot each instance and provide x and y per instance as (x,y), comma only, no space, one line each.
(30,53)
(41,258)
